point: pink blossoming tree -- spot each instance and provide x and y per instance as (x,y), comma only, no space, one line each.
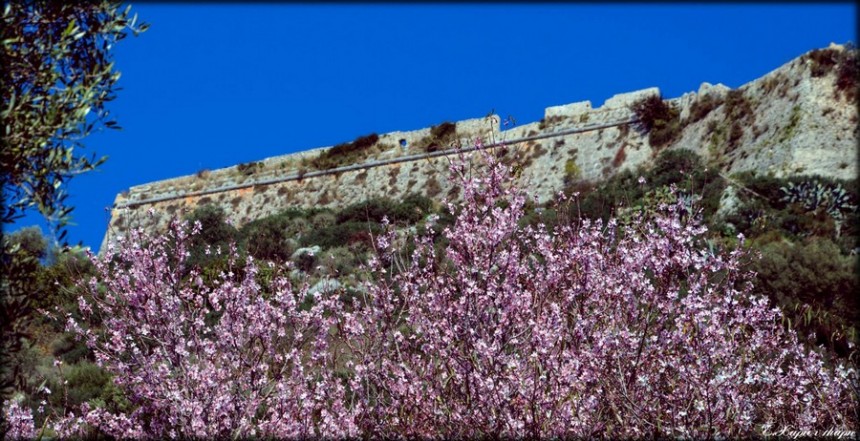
(19,420)
(586,330)
(583,330)
(207,360)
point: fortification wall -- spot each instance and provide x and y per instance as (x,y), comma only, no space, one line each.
(794,123)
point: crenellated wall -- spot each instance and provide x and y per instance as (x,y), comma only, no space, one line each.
(796,125)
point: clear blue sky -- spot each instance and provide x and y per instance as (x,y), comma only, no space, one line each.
(213,85)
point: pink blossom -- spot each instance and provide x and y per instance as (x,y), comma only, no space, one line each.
(585,330)
(228,358)
(19,420)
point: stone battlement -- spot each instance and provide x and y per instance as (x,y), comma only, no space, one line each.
(794,123)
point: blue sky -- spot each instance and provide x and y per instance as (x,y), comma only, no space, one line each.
(214,85)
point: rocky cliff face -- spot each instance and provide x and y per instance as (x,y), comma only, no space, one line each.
(799,119)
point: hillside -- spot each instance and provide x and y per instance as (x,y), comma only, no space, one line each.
(799,119)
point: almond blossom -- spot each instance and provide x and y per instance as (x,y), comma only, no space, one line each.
(577,331)
(206,359)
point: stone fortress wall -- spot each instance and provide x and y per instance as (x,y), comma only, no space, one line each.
(797,126)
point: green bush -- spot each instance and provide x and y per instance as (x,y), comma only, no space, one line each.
(813,273)
(58,282)
(823,61)
(797,216)
(370,210)
(682,168)
(299,227)
(68,349)
(848,73)
(323,219)
(337,261)
(248,168)
(440,136)
(345,153)
(215,233)
(766,186)
(339,234)
(87,383)
(749,218)
(660,120)
(622,188)
(413,208)
(572,172)
(410,210)
(268,238)
(305,262)
(30,241)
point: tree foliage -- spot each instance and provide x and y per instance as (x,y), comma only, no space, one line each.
(57,77)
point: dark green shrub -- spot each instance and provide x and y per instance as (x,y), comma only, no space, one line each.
(685,170)
(767,187)
(602,203)
(798,223)
(814,273)
(305,262)
(823,61)
(682,168)
(267,238)
(372,210)
(299,226)
(87,383)
(660,120)
(249,168)
(848,73)
(30,241)
(749,218)
(323,220)
(337,261)
(69,349)
(649,110)
(412,208)
(58,281)
(673,167)
(339,234)
(740,113)
(799,205)
(214,228)
(440,136)
(345,153)
(215,232)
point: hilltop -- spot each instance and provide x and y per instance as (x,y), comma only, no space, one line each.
(799,119)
